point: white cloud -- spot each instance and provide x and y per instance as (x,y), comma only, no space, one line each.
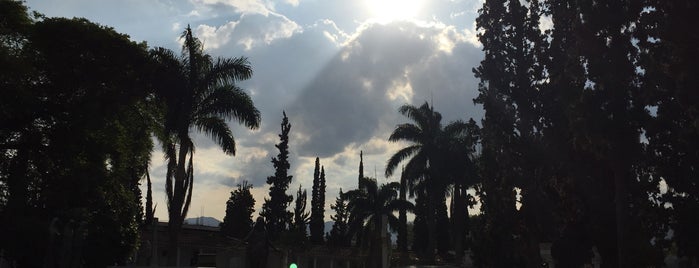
(240,6)
(176,26)
(215,37)
(249,31)
(292,2)
(339,77)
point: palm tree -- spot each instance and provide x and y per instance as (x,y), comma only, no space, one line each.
(369,204)
(199,93)
(421,152)
(431,164)
(459,141)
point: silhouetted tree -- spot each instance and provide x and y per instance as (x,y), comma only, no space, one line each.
(150,208)
(338,233)
(75,136)
(317,223)
(669,84)
(275,208)
(361,168)
(239,208)
(301,217)
(402,239)
(510,79)
(369,204)
(426,169)
(199,92)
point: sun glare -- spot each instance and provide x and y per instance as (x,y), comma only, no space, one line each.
(393,10)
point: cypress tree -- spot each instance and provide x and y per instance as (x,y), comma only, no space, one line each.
(300,216)
(275,208)
(150,210)
(317,224)
(361,168)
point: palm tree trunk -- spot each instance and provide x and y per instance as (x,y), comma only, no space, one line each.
(175,208)
(403,218)
(431,224)
(459,222)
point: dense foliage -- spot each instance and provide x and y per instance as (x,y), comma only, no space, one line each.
(76,122)
(338,235)
(584,123)
(239,209)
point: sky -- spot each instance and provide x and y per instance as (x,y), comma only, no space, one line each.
(338,68)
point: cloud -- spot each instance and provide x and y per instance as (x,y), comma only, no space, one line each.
(294,3)
(339,78)
(249,31)
(239,6)
(355,96)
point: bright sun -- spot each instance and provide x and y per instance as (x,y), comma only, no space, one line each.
(393,10)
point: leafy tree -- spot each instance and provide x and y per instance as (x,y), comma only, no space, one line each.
(511,77)
(338,234)
(369,204)
(275,208)
(239,208)
(74,150)
(317,223)
(200,93)
(669,82)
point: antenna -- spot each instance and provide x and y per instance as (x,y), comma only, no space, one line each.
(377,177)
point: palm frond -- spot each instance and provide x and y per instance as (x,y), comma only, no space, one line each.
(455,129)
(388,192)
(406,132)
(228,70)
(230,102)
(396,205)
(417,115)
(400,156)
(217,129)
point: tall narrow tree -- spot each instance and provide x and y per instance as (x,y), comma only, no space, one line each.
(200,93)
(275,208)
(670,82)
(301,217)
(361,168)
(150,209)
(510,77)
(317,224)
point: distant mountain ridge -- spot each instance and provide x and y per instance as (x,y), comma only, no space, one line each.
(205,221)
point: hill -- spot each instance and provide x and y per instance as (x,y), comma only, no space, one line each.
(206,221)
